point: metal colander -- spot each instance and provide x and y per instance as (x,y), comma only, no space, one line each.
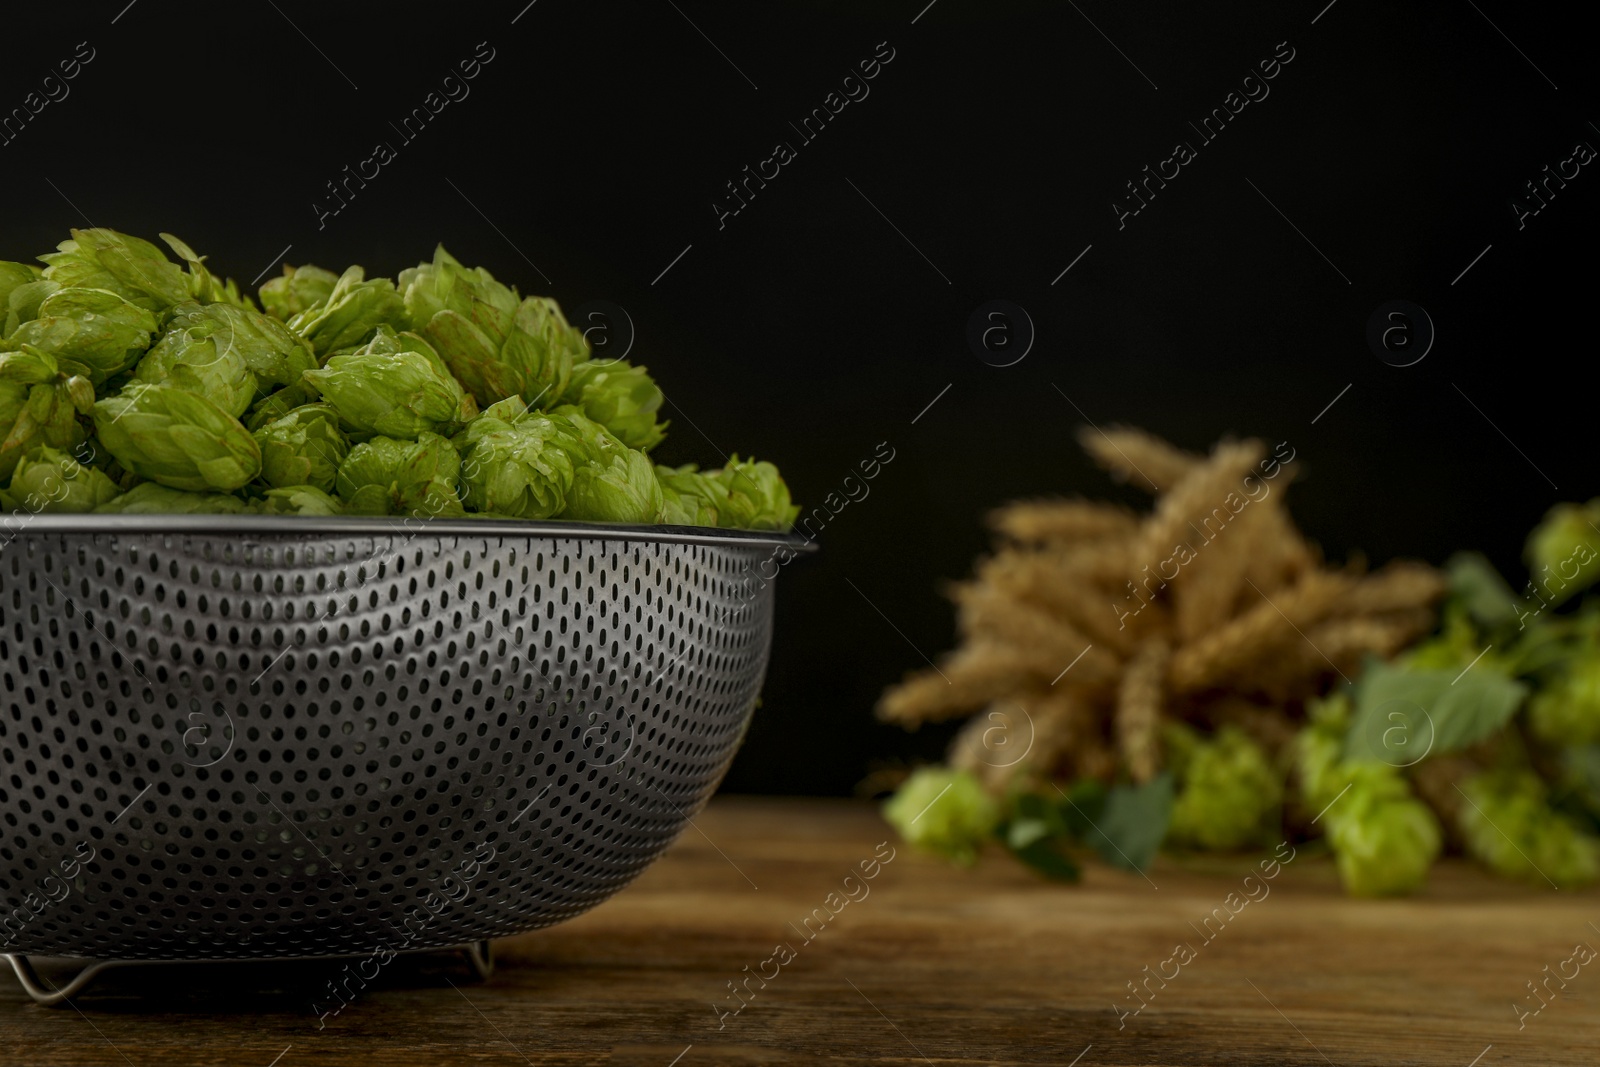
(226,738)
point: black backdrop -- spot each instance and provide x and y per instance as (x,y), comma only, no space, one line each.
(980,161)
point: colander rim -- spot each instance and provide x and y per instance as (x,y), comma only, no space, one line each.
(369,525)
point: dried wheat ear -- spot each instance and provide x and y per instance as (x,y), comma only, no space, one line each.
(1090,625)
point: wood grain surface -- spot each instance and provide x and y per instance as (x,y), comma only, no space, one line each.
(928,964)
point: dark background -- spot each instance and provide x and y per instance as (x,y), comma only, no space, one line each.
(824,318)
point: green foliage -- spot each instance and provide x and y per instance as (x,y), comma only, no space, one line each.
(1133,823)
(1400,708)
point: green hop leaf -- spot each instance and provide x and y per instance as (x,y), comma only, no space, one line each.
(1228,793)
(1508,825)
(353,311)
(177,438)
(49,480)
(1479,588)
(93,332)
(385,476)
(303,448)
(945,812)
(622,398)
(395,386)
(1035,832)
(1133,823)
(300,289)
(1397,706)
(150,498)
(132,268)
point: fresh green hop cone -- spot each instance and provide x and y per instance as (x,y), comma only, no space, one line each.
(92,332)
(446,285)
(691,498)
(510,409)
(49,480)
(22,305)
(522,469)
(201,362)
(611,482)
(299,500)
(298,290)
(1319,749)
(51,402)
(1566,710)
(395,386)
(1383,840)
(1563,551)
(150,498)
(1229,792)
(1508,825)
(12,276)
(132,268)
(622,398)
(353,311)
(13,401)
(198,333)
(944,811)
(177,438)
(303,448)
(594,443)
(204,286)
(385,476)
(277,405)
(497,345)
(758,499)
(621,489)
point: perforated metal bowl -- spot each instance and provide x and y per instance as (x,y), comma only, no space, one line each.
(284,737)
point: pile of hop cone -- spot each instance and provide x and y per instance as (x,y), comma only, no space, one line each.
(1108,629)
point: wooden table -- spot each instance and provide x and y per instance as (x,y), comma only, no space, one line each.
(929,964)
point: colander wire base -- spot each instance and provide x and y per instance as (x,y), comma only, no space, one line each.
(479,957)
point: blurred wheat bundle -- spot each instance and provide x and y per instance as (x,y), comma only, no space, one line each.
(1104,626)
